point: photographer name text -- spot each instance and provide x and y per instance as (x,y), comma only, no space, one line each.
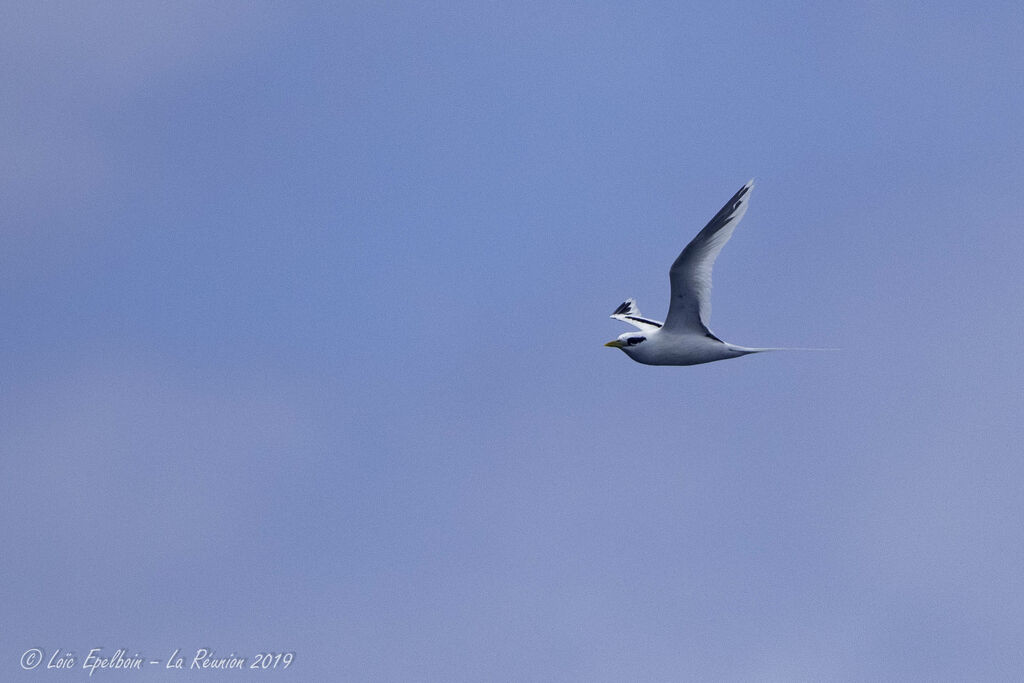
(98,660)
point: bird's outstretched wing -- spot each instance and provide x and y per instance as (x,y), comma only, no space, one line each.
(690,275)
(627,312)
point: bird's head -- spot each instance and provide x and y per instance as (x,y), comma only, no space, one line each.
(627,341)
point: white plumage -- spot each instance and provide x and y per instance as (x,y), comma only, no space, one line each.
(684,337)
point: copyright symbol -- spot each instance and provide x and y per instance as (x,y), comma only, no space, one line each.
(31,658)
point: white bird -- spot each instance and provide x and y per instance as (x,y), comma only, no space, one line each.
(684,337)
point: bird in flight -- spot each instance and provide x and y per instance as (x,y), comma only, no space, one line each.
(684,337)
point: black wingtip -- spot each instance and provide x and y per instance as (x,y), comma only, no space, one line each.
(733,205)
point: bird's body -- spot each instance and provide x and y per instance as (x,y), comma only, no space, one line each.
(655,345)
(684,338)
(666,348)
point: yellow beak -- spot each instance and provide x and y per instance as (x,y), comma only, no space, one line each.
(615,343)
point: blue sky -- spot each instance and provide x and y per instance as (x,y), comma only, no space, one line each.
(305,309)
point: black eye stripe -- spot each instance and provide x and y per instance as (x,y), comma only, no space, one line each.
(632,341)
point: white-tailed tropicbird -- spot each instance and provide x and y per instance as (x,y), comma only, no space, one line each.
(684,337)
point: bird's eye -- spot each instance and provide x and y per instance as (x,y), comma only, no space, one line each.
(633,341)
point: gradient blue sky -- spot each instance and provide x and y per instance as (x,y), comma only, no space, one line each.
(305,308)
